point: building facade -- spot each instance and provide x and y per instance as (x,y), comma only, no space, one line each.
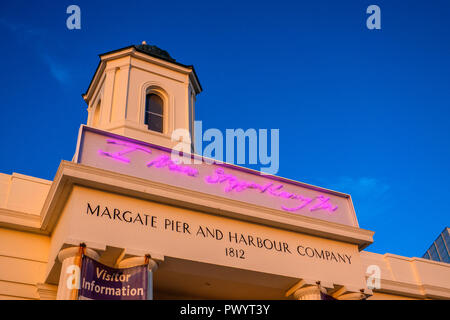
(439,250)
(208,231)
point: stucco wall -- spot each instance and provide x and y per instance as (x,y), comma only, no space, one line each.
(24,253)
(23,261)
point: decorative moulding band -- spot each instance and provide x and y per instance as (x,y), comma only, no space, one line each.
(70,174)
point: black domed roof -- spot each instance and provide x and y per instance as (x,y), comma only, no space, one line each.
(154,51)
(150,50)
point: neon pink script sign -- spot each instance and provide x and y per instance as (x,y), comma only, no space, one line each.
(230,183)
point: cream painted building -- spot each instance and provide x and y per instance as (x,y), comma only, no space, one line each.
(212,231)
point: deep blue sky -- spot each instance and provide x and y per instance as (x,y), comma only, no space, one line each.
(359,111)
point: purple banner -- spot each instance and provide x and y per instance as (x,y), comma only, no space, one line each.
(324,296)
(100,282)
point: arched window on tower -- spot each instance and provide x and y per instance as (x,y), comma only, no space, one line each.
(154,109)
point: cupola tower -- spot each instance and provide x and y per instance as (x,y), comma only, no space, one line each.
(141,92)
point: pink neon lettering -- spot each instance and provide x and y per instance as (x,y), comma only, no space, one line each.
(219,177)
(234,184)
(286,195)
(118,155)
(304,202)
(323,204)
(264,188)
(165,161)
(272,190)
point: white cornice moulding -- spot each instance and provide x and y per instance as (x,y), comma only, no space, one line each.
(70,174)
(20,221)
(423,291)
